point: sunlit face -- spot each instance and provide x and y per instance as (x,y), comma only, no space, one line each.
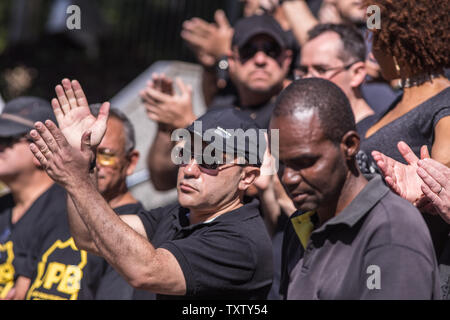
(314,167)
(112,160)
(351,10)
(15,158)
(260,65)
(203,189)
(320,58)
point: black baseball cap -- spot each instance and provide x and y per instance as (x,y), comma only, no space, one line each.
(20,114)
(247,28)
(223,125)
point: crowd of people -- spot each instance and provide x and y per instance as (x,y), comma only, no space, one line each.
(349,198)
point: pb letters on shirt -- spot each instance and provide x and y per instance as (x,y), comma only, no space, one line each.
(59,272)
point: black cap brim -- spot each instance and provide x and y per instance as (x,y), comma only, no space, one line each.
(10,128)
(262,31)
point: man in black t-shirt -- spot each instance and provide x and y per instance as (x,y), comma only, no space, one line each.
(31,190)
(209,245)
(37,250)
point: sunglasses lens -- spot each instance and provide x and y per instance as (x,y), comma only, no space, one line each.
(272,50)
(247,52)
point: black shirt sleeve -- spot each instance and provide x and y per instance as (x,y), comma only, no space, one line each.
(151,219)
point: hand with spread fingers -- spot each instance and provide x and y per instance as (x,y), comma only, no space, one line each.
(66,164)
(401,178)
(424,182)
(74,117)
(67,152)
(165,106)
(209,41)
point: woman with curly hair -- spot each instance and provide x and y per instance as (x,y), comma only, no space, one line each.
(412,45)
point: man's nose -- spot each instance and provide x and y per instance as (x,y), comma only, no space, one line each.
(290,178)
(260,57)
(191,169)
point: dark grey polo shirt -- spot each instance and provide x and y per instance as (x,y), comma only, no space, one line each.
(378,247)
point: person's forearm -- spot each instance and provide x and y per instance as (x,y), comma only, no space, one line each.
(300,19)
(163,172)
(209,85)
(126,250)
(270,208)
(78,229)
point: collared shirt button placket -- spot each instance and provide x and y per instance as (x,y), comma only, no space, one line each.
(307,254)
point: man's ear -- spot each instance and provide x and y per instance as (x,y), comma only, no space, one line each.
(350,144)
(231,59)
(287,59)
(249,174)
(359,73)
(133,158)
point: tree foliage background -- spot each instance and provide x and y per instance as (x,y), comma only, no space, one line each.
(118,40)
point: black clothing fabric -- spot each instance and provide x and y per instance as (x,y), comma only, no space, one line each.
(229,257)
(416,127)
(17,238)
(260,113)
(57,269)
(369,240)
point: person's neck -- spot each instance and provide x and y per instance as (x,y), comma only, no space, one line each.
(26,188)
(248,98)
(120,199)
(350,189)
(359,106)
(199,215)
(416,95)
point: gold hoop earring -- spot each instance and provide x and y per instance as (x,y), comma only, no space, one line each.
(397,67)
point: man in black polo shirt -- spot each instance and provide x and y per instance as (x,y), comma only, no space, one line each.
(209,245)
(351,238)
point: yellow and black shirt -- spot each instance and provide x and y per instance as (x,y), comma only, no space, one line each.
(16,239)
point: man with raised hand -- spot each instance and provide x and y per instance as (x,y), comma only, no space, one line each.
(209,245)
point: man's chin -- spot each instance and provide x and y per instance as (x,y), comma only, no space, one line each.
(306,206)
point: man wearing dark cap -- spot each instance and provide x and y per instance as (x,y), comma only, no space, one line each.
(32,191)
(208,245)
(350,238)
(258,64)
(39,259)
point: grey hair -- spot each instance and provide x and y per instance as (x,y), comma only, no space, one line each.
(130,139)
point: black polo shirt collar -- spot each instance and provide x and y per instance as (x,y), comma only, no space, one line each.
(372,193)
(247,211)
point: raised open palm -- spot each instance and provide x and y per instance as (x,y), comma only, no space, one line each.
(74,116)
(402,178)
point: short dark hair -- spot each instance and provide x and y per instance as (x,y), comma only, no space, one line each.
(130,140)
(328,100)
(354,48)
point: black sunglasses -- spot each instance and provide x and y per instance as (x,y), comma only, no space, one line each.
(8,142)
(270,49)
(208,168)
